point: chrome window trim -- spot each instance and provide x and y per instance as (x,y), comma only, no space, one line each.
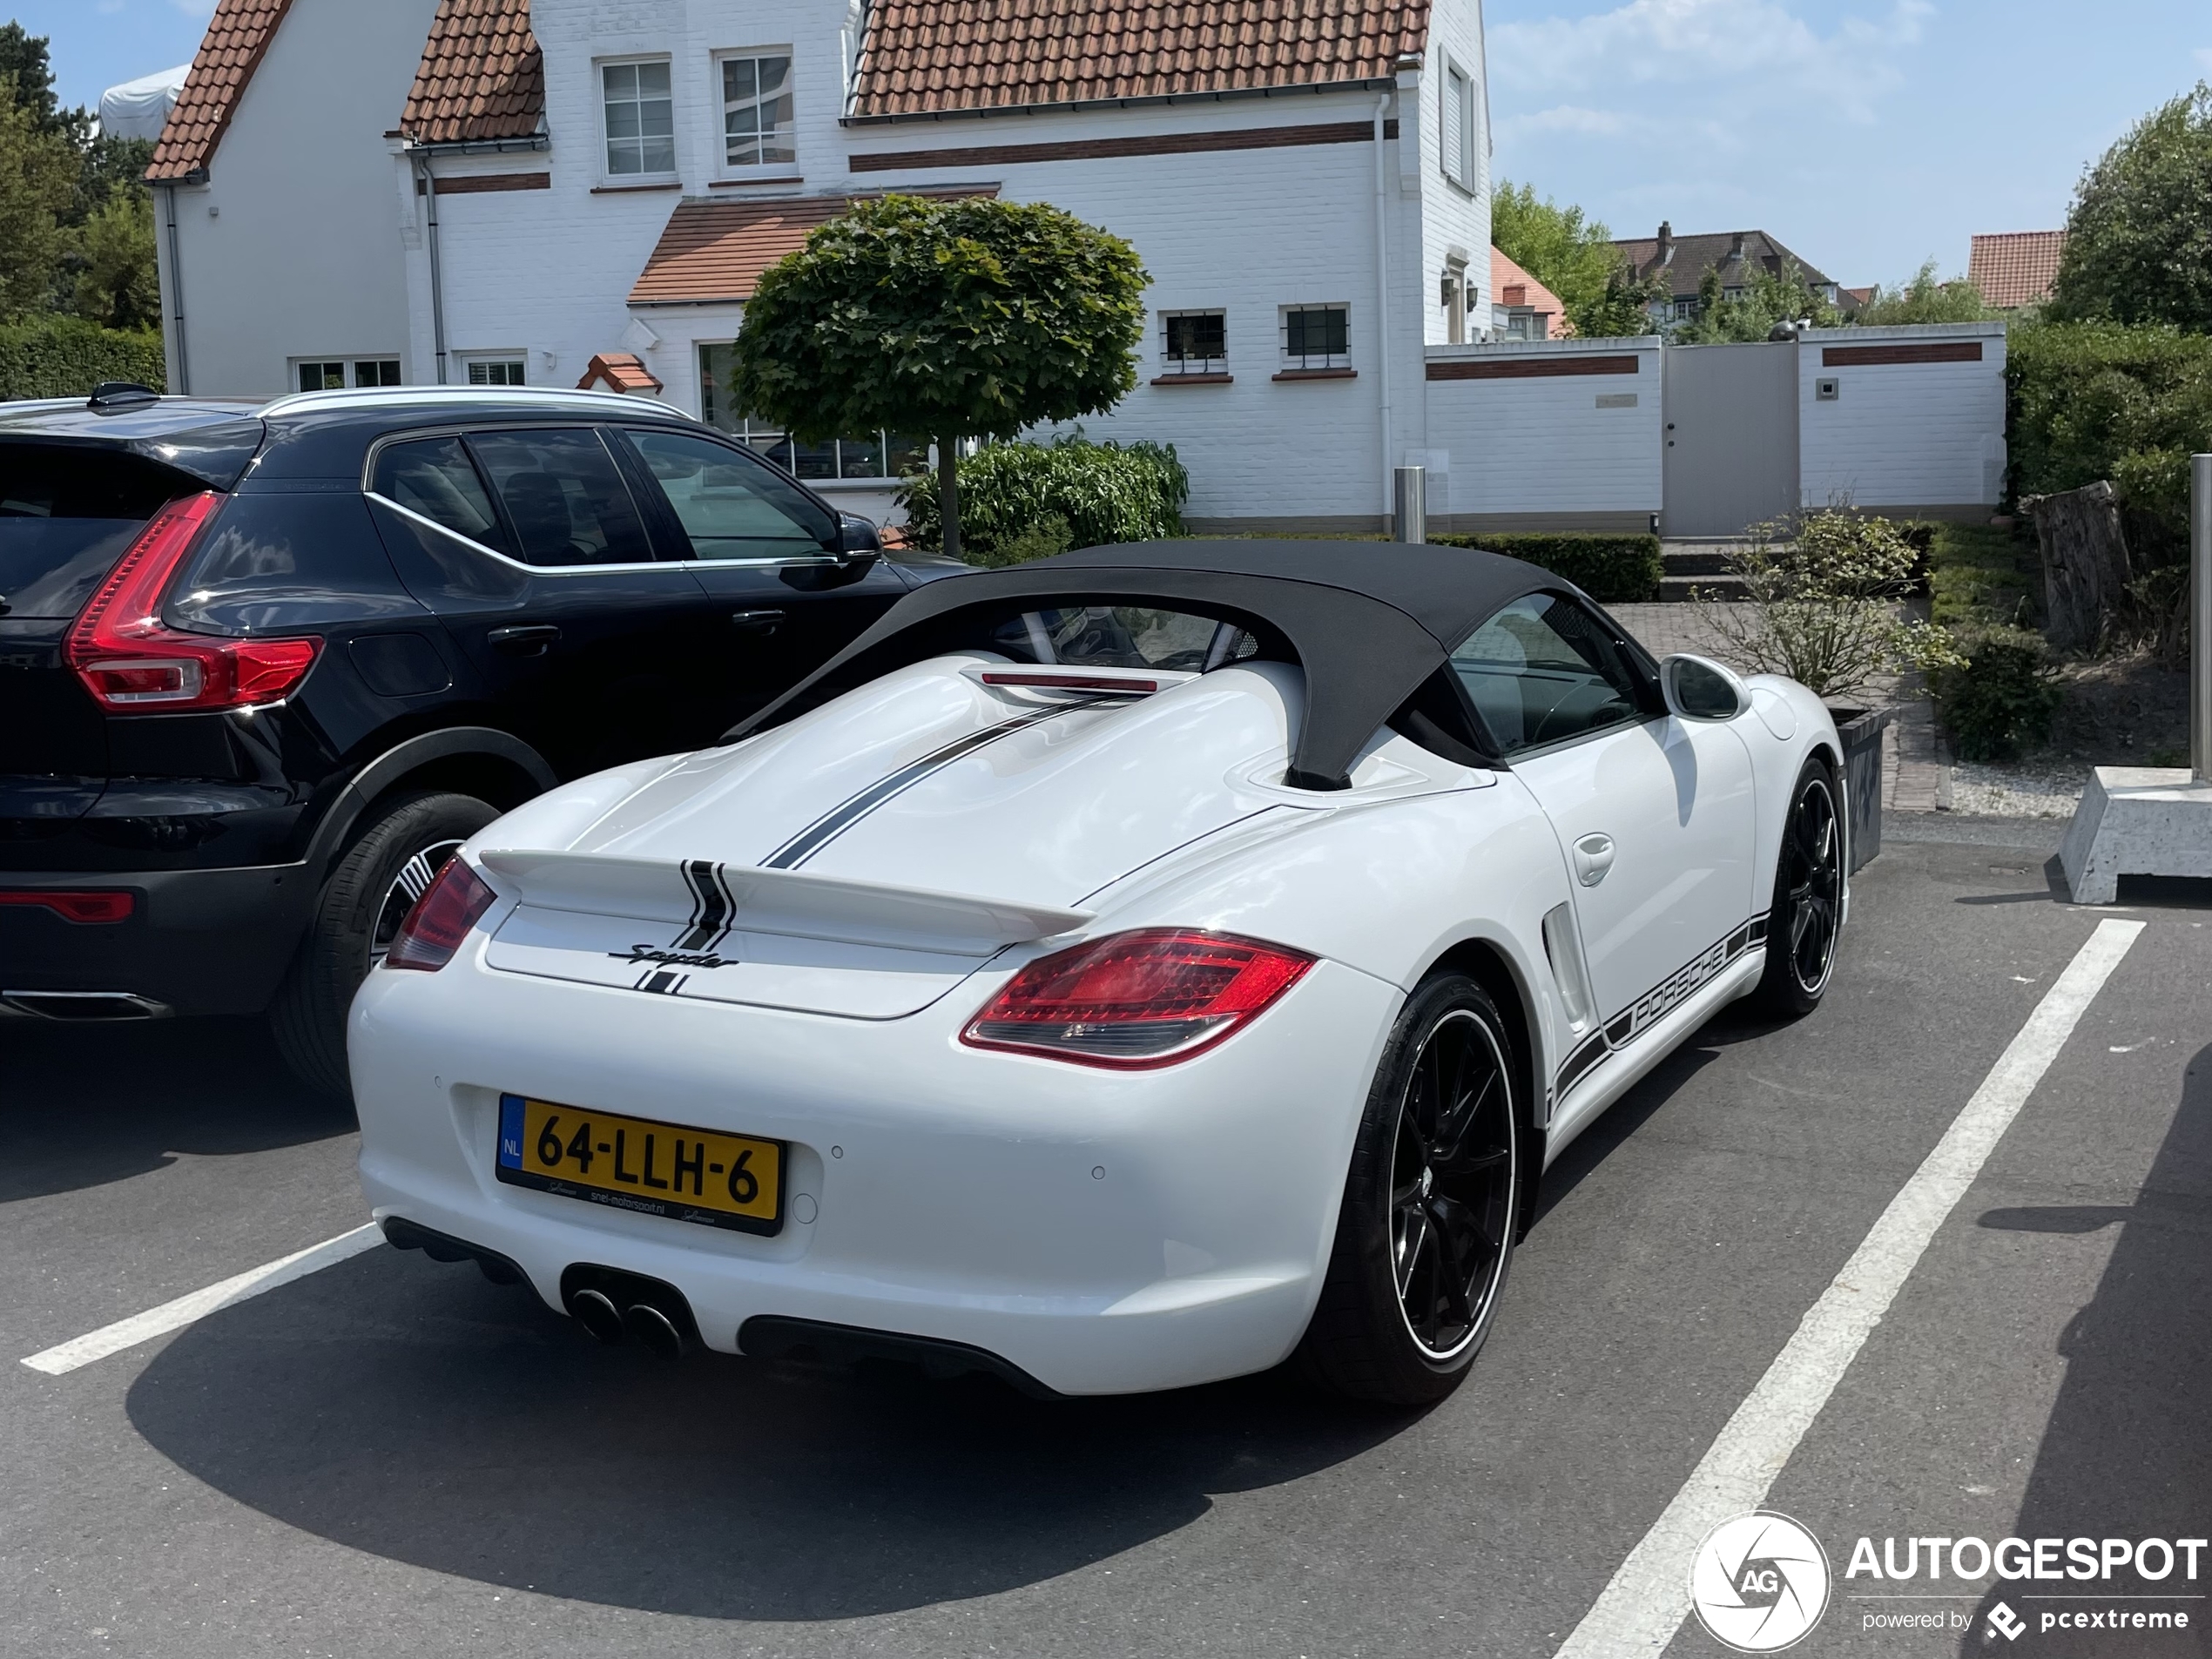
(513,563)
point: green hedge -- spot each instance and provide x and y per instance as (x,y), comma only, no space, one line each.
(1101,492)
(1612,569)
(67,357)
(2091,400)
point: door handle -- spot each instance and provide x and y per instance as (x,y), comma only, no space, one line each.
(756,622)
(1592,858)
(533,640)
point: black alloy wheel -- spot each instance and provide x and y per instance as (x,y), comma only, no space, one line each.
(1808,913)
(1426,1230)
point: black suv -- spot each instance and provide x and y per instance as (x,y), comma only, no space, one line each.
(263,668)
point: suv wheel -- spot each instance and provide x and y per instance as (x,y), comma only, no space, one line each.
(377,882)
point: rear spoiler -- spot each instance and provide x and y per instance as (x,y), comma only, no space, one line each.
(716,898)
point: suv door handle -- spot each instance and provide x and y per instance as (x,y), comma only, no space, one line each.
(756,622)
(533,640)
(1592,858)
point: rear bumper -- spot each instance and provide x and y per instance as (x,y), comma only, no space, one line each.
(198,941)
(1102,1232)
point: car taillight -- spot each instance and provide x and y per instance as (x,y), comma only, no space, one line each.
(1133,1000)
(99,904)
(132,664)
(441,918)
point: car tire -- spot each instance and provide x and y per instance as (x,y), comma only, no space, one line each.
(1806,918)
(1425,1232)
(360,908)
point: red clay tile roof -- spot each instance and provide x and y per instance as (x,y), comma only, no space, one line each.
(926,57)
(2015,267)
(237,38)
(483,76)
(1515,287)
(619,371)
(715,251)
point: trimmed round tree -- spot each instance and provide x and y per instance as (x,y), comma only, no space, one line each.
(971,318)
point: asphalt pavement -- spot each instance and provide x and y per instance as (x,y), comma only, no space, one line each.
(395,1457)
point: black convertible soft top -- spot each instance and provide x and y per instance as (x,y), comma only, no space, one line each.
(1368,621)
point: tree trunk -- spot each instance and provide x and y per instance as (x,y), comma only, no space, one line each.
(2085,569)
(949,494)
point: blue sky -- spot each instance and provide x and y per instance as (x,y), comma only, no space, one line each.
(1869,135)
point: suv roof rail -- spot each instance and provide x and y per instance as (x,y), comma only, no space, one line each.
(397,396)
(118,395)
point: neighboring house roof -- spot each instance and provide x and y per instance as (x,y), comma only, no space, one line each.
(934,56)
(1855,299)
(714,252)
(2014,269)
(236,39)
(618,371)
(1739,256)
(483,76)
(1513,286)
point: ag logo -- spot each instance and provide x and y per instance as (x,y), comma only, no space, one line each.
(1759,1582)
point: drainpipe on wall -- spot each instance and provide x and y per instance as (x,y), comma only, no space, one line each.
(180,369)
(1382,301)
(430,183)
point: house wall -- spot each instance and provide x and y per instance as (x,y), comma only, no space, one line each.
(1453,218)
(290,250)
(1910,439)
(1545,451)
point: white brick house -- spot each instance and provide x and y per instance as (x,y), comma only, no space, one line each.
(579,180)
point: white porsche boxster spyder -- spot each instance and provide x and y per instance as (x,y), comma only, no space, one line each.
(1115,972)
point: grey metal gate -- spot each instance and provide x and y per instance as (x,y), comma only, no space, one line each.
(1732,418)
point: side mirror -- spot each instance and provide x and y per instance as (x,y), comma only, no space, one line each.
(1698,689)
(858,543)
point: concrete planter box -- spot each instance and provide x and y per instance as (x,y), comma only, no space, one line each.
(1861,730)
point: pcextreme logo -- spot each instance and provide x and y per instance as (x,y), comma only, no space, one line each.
(1759,1583)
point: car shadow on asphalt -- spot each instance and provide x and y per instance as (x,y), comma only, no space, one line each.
(85,1105)
(412,1411)
(2126,1453)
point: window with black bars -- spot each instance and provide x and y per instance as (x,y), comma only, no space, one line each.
(1316,337)
(1193,342)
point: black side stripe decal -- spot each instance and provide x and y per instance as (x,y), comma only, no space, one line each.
(1647,1010)
(825,829)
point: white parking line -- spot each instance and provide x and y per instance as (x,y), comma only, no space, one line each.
(1645,1602)
(171,1315)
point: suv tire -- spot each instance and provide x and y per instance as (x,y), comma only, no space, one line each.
(360,908)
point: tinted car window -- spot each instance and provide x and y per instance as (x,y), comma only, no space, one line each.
(564,498)
(731,505)
(66,515)
(1122,637)
(1544,670)
(434,478)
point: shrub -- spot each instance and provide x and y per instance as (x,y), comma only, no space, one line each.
(58,356)
(1049,536)
(1978,575)
(1824,589)
(2097,401)
(1612,569)
(1104,492)
(2000,700)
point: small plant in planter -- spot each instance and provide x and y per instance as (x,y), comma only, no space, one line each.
(1823,589)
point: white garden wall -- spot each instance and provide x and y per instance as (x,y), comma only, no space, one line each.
(1908,421)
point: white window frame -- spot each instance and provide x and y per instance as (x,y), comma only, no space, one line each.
(1171,367)
(723,167)
(1295,362)
(607,173)
(1457,109)
(469,361)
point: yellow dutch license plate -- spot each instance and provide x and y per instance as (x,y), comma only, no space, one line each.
(733,1181)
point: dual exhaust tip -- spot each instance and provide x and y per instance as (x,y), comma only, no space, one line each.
(612,1306)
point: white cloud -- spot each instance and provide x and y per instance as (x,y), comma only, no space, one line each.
(1569,118)
(1736,55)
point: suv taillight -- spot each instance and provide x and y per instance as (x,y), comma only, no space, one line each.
(441,918)
(1135,1000)
(132,664)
